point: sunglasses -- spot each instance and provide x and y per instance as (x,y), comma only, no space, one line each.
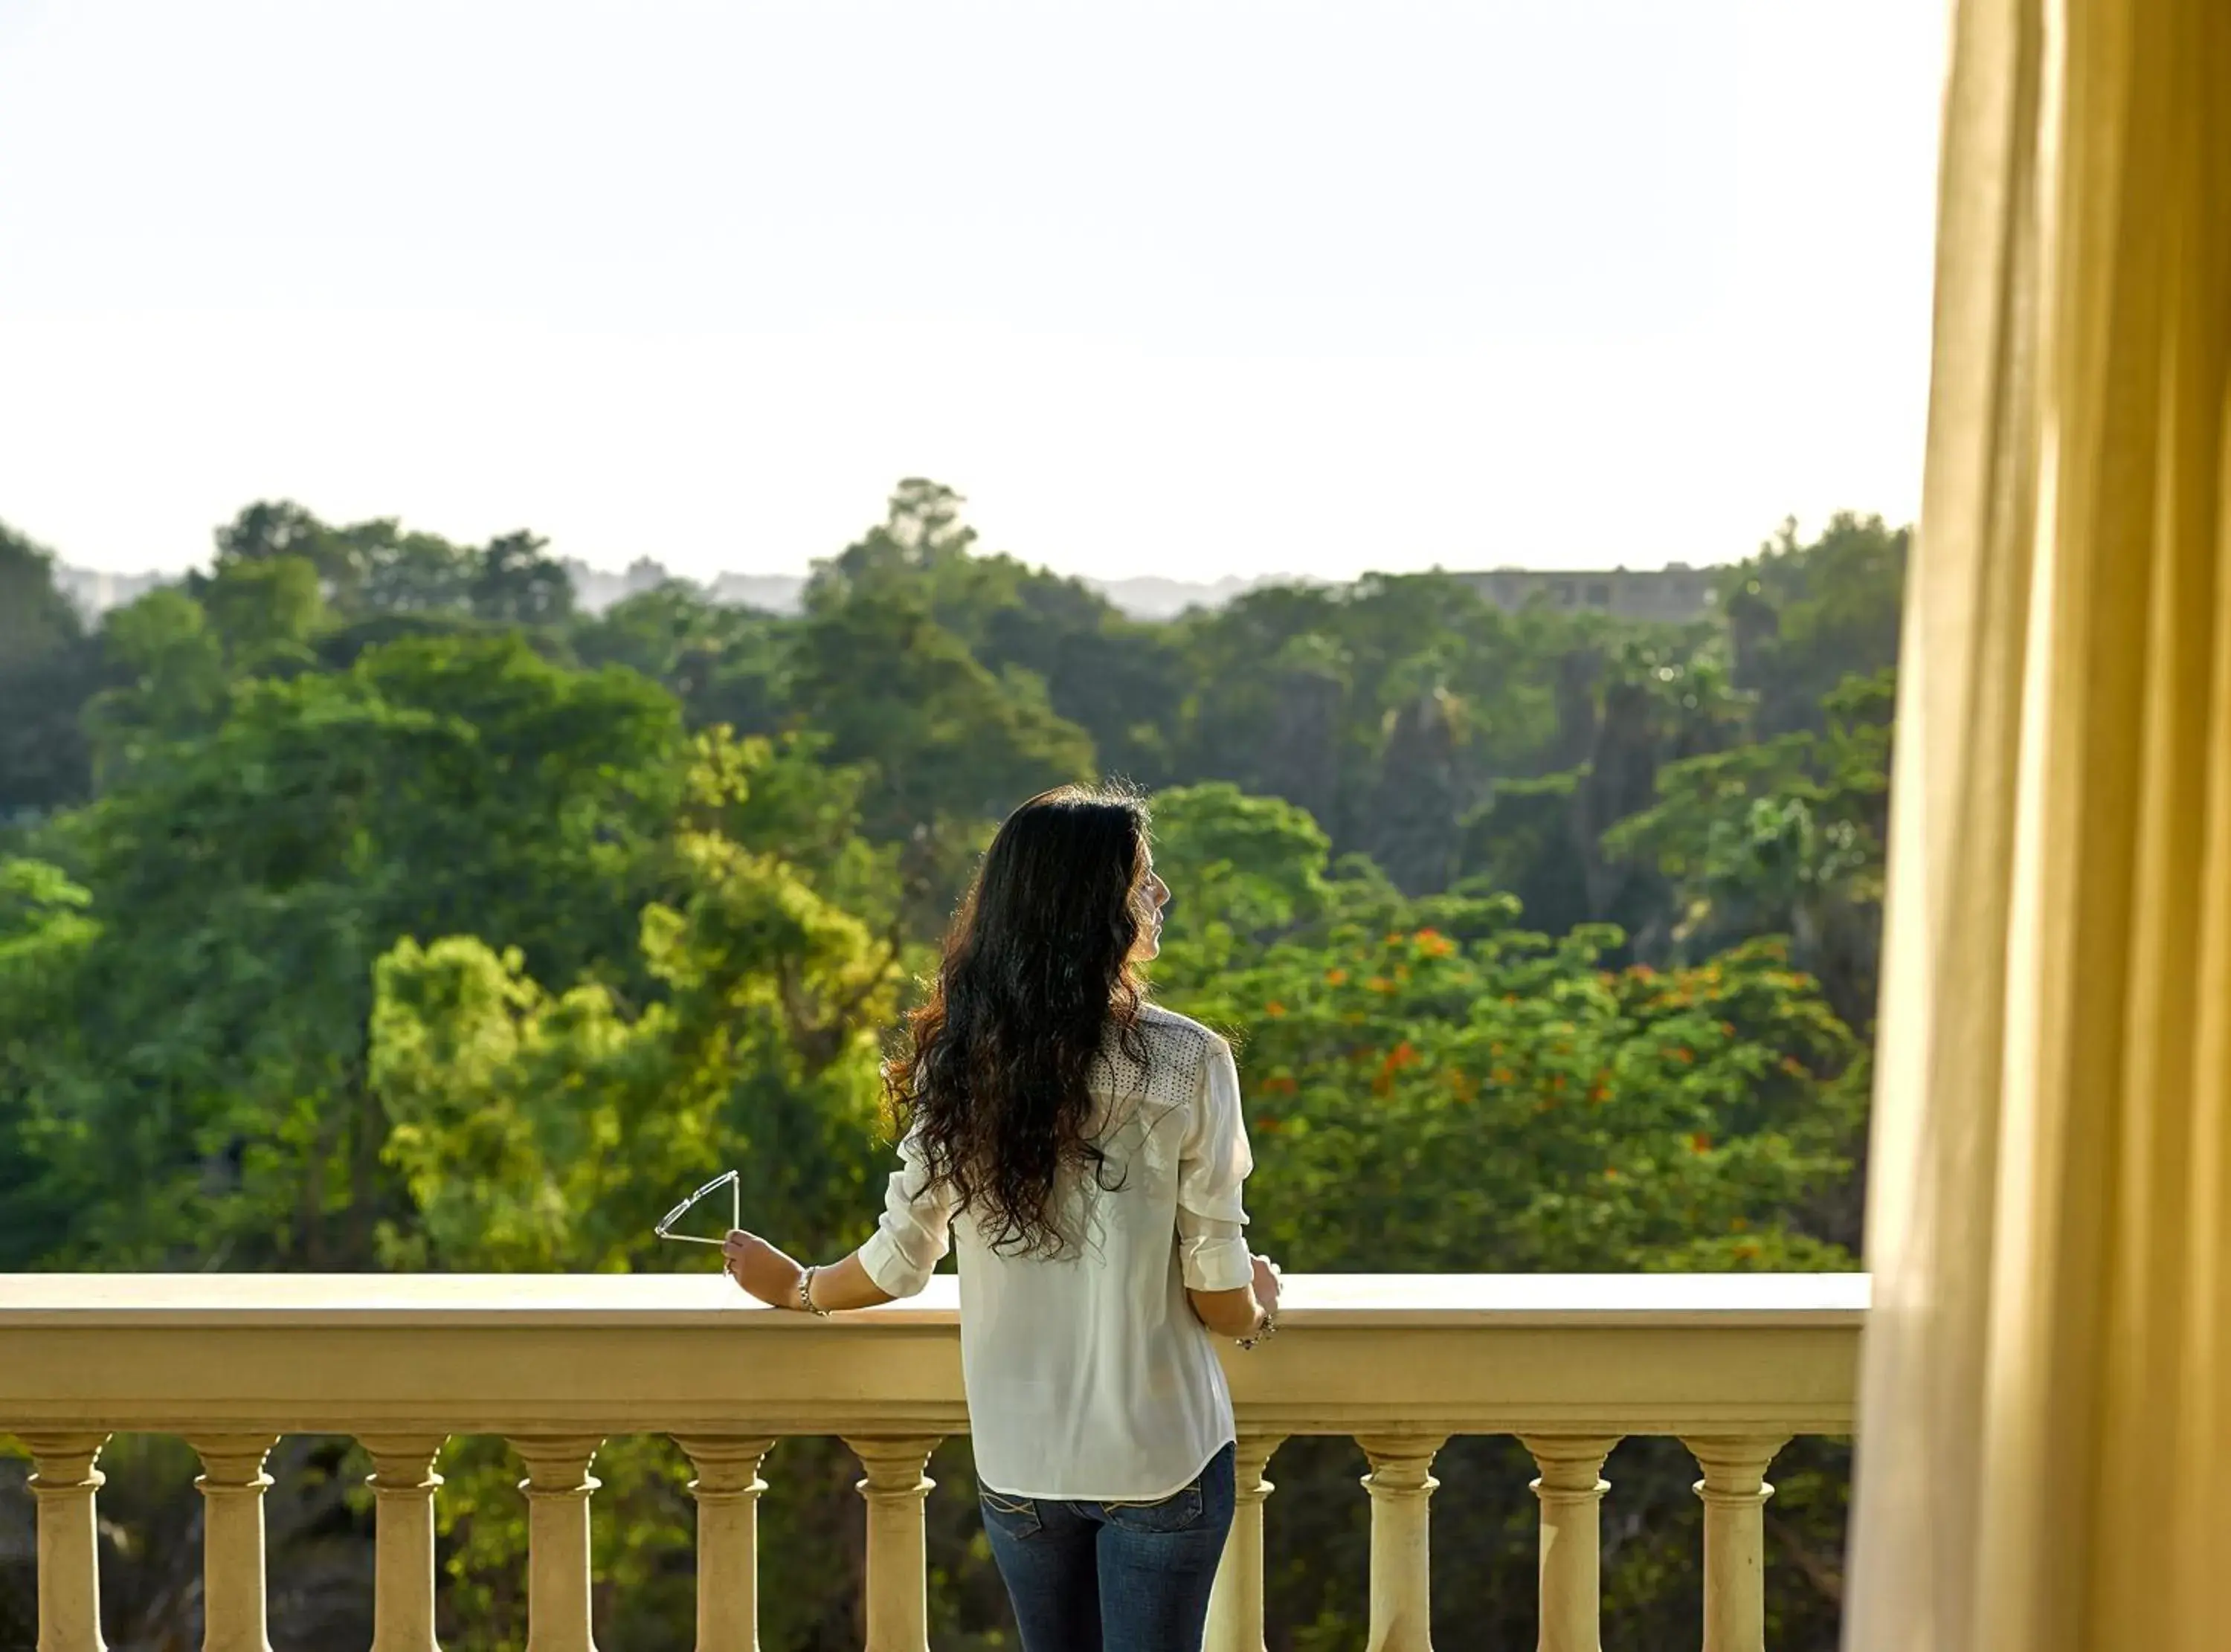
(728,1179)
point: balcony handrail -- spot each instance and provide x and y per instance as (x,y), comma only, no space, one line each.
(1311,1300)
(671,1352)
(1733,1365)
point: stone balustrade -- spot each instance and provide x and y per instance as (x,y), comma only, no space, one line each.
(1733,1365)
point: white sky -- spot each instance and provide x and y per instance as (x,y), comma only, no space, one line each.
(1191,289)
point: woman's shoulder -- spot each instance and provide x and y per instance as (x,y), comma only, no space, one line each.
(1166,1028)
(1175,1051)
(1162,1061)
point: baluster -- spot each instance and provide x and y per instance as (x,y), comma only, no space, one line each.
(1235,1604)
(1734,1491)
(232,1485)
(558,1486)
(1571,1491)
(403,1483)
(62,1483)
(1400,1483)
(898,1591)
(727,1489)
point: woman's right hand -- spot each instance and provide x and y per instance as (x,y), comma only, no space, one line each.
(1266,1284)
(760,1268)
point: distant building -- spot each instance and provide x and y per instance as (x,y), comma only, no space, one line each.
(95,592)
(596,590)
(1676,592)
(769,593)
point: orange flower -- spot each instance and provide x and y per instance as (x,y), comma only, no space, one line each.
(1279,1084)
(1403,1054)
(1274,1010)
(1433,944)
(1336,977)
(1611,1173)
(1501,1075)
(1700,1143)
(1379,984)
(1727,1030)
(1266,1124)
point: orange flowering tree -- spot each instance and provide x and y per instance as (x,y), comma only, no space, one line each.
(1431,1087)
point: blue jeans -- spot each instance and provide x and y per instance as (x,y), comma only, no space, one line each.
(1113,1577)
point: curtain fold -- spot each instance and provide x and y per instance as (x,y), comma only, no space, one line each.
(2045,1408)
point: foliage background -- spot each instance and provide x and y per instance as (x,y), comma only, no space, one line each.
(363,905)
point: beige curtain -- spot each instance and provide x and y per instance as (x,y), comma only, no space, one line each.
(2045,1413)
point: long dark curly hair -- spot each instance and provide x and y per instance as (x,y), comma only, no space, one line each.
(994,1083)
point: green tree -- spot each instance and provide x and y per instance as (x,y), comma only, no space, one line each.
(1120,681)
(514,584)
(1803,617)
(1782,836)
(1654,702)
(726,665)
(378,567)
(1245,869)
(943,737)
(1393,709)
(44,933)
(212,1103)
(35,617)
(265,612)
(948,747)
(48,668)
(168,679)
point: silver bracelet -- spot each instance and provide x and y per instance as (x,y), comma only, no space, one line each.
(805,1301)
(1265,1332)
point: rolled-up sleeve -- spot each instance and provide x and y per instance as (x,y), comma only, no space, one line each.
(915,1232)
(1212,1166)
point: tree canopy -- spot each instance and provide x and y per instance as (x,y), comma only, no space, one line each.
(363,904)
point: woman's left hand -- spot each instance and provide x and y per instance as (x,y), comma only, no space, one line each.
(760,1268)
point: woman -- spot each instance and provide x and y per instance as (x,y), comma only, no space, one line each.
(1088,1148)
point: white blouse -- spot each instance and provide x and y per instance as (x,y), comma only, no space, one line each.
(1089,1378)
